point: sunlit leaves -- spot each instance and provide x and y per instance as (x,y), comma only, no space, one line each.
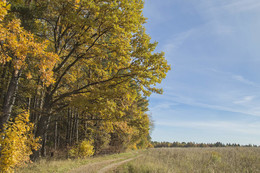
(22,49)
(97,60)
(17,142)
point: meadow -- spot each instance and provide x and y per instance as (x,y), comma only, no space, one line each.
(62,165)
(195,160)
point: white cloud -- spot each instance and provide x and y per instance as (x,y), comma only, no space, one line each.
(223,14)
(233,76)
(244,107)
(163,106)
(246,127)
(244,100)
(239,6)
(242,79)
(220,7)
(222,91)
(177,40)
(218,35)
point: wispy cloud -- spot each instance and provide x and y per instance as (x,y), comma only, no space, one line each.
(164,105)
(233,76)
(221,105)
(244,100)
(231,6)
(177,40)
(243,80)
(154,11)
(222,14)
(236,94)
(242,6)
(197,36)
(247,127)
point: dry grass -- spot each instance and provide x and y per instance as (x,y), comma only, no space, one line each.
(195,160)
(65,165)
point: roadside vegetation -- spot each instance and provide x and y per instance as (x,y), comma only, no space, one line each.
(202,160)
(53,165)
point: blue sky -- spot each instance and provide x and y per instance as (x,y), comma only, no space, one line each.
(212,92)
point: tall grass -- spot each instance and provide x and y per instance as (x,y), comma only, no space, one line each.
(65,165)
(195,160)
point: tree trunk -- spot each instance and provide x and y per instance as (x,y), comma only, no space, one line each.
(56,135)
(68,127)
(73,134)
(77,127)
(42,125)
(9,98)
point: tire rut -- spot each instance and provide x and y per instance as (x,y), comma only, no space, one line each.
(115,165)
(92,167)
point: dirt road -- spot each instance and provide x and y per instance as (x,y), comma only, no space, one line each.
(103,166)
(115,165)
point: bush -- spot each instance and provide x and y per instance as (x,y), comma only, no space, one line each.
(17,142)
(82,150)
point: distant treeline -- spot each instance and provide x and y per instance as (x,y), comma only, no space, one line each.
(193,144)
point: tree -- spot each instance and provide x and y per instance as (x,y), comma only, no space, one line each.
(103,52)
(17,143)
(20,53)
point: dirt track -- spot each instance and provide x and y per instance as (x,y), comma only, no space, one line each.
(99,166)
(115,165)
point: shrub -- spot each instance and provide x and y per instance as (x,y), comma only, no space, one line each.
(17,142)
(82,150)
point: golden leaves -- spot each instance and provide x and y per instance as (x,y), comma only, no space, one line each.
(16,143)
(22,49)
(83,149)
(105,61)
(3,9)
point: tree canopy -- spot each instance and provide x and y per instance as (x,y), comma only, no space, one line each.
(83,68)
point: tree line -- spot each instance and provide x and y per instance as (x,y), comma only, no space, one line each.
(77,70)
(156,144)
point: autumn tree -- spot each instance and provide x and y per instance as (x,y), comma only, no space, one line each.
(20,55)
(17,142)
(22,58)
(105,59)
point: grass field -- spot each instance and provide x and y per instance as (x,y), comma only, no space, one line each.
(67,165)
(195,160)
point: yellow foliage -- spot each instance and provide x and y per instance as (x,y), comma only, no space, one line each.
(3,9)
(22,49)
(17,142)
(133,147)
(123,127)
(83,149)
(105,61)
(150,145)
